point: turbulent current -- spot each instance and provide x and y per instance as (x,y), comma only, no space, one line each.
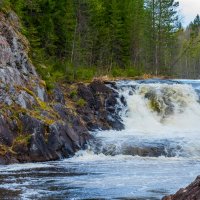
(157,153)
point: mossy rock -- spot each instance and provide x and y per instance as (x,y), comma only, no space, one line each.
(23,139)
(155,106)
(21,144)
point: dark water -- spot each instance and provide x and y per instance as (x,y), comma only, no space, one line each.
(98,177)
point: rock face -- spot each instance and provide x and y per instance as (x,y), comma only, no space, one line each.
(37,126)
(192,192)
(100,111)
(15,66)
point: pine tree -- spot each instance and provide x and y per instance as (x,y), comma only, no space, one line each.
(164,27)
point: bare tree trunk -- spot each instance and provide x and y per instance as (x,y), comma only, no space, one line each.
(156,60)
(159,36)
(187,67)
(153,32)
(73,45)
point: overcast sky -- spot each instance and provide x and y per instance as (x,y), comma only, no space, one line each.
(189,9)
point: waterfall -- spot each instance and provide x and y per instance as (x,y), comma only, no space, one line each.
(161,119)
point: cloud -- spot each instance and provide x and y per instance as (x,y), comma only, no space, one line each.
(189,9)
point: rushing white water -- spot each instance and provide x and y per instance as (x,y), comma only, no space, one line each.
(160,119)
(180,100)
(156,154)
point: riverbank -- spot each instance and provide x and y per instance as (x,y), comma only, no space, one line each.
(36,125)
(33,130)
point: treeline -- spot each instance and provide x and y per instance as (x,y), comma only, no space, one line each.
(79,39)
(187,64)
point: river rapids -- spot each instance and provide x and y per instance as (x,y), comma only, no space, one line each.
(157,153)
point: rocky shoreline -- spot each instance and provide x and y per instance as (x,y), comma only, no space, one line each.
(38,126)
(191,192)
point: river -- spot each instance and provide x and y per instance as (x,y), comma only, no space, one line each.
(157,153)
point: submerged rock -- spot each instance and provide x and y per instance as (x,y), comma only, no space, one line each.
(191,192)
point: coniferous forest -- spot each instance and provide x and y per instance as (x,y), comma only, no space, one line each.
(81,39)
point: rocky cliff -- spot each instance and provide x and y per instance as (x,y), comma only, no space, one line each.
(40,126)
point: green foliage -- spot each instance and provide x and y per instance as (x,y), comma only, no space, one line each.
(187,65)
(76,40)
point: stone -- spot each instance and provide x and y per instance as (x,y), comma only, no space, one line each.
(130,93)
(6,136)
(99,87)
(100,112)
(5,51)
(58,95)
(191,192)
(86,93)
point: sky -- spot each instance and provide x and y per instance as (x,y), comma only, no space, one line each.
(188,10)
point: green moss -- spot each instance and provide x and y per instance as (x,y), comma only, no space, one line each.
(29,91)
(154,105)
(14,112)
(49,121)
(36,113)
(4,6)
(81,102)
(3,150)
(23,139)
(43,105)
(73,93)
(6,149)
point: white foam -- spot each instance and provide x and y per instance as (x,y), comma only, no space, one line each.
(142,117)
(19,167)
(142,123)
